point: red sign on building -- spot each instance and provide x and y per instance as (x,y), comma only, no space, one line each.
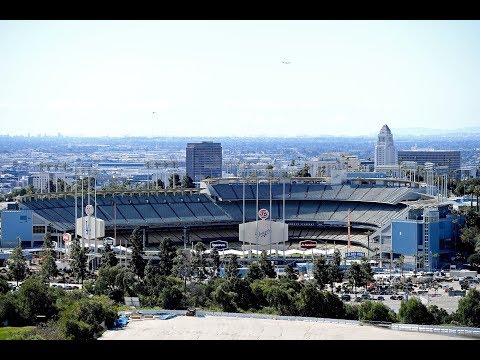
(308,244)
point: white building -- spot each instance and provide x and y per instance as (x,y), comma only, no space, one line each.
(325,163)
(40,181)
(385,152)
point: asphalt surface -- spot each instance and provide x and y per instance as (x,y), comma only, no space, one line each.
(229,328)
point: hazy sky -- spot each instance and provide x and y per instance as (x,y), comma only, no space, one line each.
(226,78)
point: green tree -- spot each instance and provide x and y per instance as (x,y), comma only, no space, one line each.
(187,182)
(35,298)
(439,315)
(282,299)
(116,282)
(375,311)
(47,241)
(254,272)
(86,318)
(150,270)
(476,191)
(167,253)
(4,287)
(266,266)
(310,301)
(334,307)
(182,265)
(231,269)
(10,310)
(199,261)
(17,265)
(215,260)
(468,311)
(367,273)
(97,311)
(290,272)
(469,238)
(335,274)
(304,172)
(414,312)
(49,268)
(470,189)
(137,263)
(78,260)
(321,272)
(401,261)
(177,180)
(244,297)
(171,298)
(224,297)
(108,257)
(354,275)
(474,259)
(159,184)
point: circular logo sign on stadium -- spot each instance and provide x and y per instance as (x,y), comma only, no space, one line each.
(263,214)
(89,209)
(67,237)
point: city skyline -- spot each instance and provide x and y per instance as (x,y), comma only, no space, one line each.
(218,78)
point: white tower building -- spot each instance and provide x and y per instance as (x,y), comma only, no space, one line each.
(385,152)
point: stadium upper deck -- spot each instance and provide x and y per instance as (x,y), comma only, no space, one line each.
(370,205)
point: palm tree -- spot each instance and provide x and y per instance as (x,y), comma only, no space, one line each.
(476,191)
(421,258)
(368,233)
(401,261)
(470,190)
(435,256)
(323,172)
(375,249)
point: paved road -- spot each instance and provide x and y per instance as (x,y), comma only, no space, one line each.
(228,328)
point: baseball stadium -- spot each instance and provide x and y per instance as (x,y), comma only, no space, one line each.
(357,217)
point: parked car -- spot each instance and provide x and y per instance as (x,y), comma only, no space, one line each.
(346,297)
(380,298)
(358,299)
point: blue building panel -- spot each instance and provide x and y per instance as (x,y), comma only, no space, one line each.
(434,237)
(15,224)
(445,228)
(406,235)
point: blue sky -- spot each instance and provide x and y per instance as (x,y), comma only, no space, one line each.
(226,78)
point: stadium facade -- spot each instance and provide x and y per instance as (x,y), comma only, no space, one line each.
(380,213)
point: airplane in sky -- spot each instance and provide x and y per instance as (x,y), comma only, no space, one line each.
(286,62)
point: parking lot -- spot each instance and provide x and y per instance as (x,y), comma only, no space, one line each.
(66,286)
(440,297)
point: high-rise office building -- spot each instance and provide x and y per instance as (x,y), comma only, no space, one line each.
(385,152)
(204,159)
(447,158)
